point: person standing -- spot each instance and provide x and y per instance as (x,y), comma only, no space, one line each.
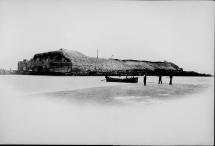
(170,81)
(160,79)
(144,80)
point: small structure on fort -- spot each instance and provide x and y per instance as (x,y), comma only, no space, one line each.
(68,62)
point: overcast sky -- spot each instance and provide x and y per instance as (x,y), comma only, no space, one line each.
(180,32)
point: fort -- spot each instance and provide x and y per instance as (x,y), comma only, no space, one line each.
(69,62)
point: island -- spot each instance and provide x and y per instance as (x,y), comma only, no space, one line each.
(74,63)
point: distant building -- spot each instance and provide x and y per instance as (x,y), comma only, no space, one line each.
(6,72)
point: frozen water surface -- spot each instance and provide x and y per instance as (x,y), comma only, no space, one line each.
(87,110)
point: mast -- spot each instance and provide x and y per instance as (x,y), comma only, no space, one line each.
(97,54)
(96,59)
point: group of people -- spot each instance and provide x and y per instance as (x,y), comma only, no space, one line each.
(159,80)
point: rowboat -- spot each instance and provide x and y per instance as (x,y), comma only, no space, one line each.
(124,80)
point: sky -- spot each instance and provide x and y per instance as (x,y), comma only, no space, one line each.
(181,32)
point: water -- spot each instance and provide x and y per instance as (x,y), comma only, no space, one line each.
(87,110)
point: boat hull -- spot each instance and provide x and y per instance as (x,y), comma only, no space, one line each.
(124,80)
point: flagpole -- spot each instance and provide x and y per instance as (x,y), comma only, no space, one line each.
(97,53)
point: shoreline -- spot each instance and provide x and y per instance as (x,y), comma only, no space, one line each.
(41,74)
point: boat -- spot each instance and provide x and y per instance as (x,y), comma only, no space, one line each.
(124,80)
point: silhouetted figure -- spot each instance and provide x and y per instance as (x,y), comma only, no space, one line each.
(144,80)
(160,79)
(170,81)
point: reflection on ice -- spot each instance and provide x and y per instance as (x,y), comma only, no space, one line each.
(121,94)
